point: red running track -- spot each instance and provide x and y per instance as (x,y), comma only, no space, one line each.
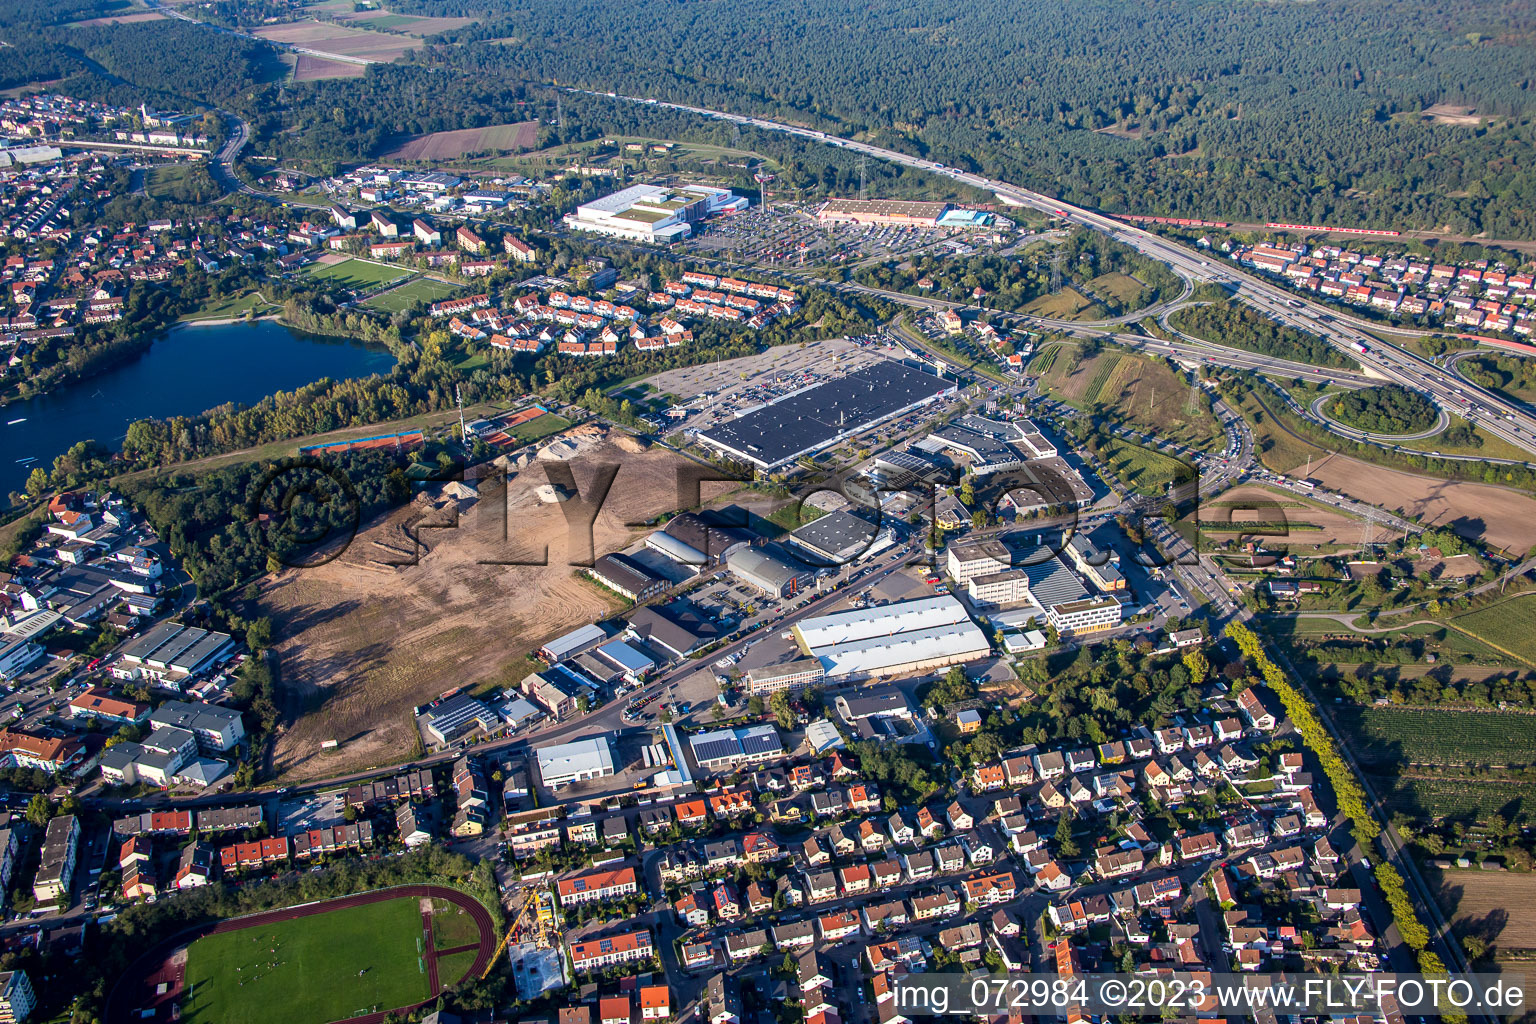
(135,991)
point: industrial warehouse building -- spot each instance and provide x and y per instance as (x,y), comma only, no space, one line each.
(564,763)
(769,570)
(573,643)
(726,748)
(840,538)
(172,653)
(899,213)
(676,629)
(701,539)
(895,639)
(652,213)
(625,576)
(891,212)
(823,414)
(786,675)
(987,444)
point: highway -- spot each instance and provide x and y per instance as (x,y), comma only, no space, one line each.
(1491,412)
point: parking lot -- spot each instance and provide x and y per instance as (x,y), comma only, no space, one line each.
(788,235)
(724,390)
(322,810)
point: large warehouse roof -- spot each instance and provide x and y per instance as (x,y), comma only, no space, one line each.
(909,209)
(1051,583)
(837,536)
(883,621)
(581,757)
(882,653)
(762,568)
(817,416)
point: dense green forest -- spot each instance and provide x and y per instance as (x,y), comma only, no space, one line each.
(1250,111)
(1227,323)
(1013,282)
(1510,374)
(1294,112)
(1390,409)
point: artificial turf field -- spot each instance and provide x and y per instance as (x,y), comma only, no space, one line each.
(305,971)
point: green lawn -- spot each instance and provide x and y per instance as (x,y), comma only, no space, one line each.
(161,180)
(356,273)
(306,971)
(451,927)
(422,289)
(538,427)
(450,969)
(233,306)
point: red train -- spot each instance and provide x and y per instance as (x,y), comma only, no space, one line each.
(1333,230)
(1183,222)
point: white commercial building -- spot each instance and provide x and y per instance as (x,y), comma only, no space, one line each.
(967,559)
(647,213)
(894,639)
(576,761)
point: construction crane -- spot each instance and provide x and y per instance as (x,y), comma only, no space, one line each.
(502,945)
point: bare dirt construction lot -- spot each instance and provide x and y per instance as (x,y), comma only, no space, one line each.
(1313,524)
(1500,517)
(309,68)
(361,641)
(349,42)
(1445,113)
(495,138)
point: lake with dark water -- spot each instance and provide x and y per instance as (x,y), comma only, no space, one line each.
(189,370)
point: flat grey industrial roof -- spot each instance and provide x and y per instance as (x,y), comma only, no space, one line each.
(817,416)
(146,645)
(1052,583)
(836,536)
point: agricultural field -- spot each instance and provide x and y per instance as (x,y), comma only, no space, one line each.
(356,274)
(1459,799)
(1434,736)
(309,68)
(454,145)
(1293,522)
(377,18)
(1478,902)
(1436,764)
(330,966)
(1500,517)
(420,289)
(1509,625)
(339,40)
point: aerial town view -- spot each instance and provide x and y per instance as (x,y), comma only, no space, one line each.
(770,513)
